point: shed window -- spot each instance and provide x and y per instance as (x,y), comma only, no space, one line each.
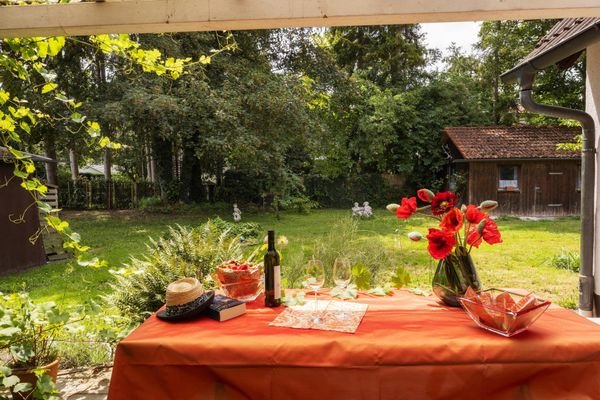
(509,177)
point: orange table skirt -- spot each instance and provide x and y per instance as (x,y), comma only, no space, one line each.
(407,347)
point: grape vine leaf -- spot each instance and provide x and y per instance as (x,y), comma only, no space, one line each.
(400,278)
(11,380)
(349,292)
(291,300)
(385,290)
(420,292)
(362,276)
(48,87)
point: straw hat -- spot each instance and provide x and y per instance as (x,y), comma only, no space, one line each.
(186,299)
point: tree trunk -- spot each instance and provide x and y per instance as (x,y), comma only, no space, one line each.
(163,158)
(152,169)
(107,164)
(51,168)
(150,165)
(197,189)
(74,164)
(186,171)
(108,177)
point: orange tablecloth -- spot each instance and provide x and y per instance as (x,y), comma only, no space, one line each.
(407,347)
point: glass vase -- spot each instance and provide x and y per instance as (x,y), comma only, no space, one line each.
(453,276)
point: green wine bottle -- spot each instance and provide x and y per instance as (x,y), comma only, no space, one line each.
(272,274)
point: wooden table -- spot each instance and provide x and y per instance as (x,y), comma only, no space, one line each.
(407,347)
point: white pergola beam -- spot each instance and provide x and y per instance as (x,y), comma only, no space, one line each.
(150,16)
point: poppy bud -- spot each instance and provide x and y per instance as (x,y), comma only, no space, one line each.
(463,209)
(415,236)
(480,227)
(392,207)
(488,205)
(425,195)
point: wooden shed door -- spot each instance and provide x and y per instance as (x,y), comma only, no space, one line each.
(556,196)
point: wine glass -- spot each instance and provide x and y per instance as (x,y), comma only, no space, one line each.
(314,278)
(342,275)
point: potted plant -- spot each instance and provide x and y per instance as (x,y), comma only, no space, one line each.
(27,334)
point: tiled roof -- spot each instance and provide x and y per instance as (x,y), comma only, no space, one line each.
(518,142)
(560,33)
(5,154)
(561,45)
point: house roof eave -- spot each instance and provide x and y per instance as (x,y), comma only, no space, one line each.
(5,154)
(469,160)
(554,54)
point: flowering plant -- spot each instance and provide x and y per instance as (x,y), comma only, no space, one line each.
(462,228)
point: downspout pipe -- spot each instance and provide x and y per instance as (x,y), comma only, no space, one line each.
(588,156)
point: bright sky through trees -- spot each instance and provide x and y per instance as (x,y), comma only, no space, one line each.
(441,35)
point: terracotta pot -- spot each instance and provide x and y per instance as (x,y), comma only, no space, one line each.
(28,376)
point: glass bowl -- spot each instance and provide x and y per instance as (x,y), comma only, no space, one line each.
(245,290)
(244,285)
(503,312)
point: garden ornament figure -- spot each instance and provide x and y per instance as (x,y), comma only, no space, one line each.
(362,212)
(237,213)
(356,210)
(367,210)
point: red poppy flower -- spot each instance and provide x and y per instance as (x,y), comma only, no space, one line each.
(490,233)
(452,221)
(407,208)
(425,195)
(442,202)
(474,237)
(440,243)
(474,215)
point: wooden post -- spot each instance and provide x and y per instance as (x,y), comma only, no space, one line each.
(89,193)
(89,18)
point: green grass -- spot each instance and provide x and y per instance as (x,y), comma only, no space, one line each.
(522,261)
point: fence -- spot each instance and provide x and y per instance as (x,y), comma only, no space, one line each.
(89,194)
(344,191)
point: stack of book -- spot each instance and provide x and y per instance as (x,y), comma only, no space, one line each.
(224,308)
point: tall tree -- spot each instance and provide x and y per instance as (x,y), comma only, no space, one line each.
(388,55)
(502,45)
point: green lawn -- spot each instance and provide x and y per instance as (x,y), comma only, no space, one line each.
(523,260)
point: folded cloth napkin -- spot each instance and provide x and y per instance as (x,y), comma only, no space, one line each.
(340,316)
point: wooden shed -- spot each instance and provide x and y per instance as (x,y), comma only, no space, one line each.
(17,252)
(520,167)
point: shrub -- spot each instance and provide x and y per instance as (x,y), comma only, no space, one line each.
(241,187)
(343,191)
(246,230)
(139,288)
(369,256)
(93,340)
(301,203)
(151,204)
(566,260)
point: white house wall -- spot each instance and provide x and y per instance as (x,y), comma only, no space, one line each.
(592,107)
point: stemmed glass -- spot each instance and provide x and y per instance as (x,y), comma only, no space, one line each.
(342,275)
(314,278)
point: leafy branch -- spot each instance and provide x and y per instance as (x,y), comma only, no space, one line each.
(27,56)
